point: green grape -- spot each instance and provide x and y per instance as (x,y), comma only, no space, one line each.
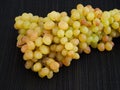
(69,33)
(60,33)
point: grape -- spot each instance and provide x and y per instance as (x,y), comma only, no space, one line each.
(63,40)
(60,33)
(75,15)
(90,16)
(76,32)
(115,25)
(28,64)
(107,30)
(69,46)
(63,25)
(69,33)
(39,41)
(47,39)
(49,25)
(76,24)
(50,75)
(101,46)
(37,55)
(108,46)
(44,49)
(44,72)
(84,29)
(82,37)
(55,16)
(37,67)
(31,45)
(28,55)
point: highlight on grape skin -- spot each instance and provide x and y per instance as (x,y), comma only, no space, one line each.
(48,43)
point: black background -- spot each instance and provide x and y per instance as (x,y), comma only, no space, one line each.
(97,71)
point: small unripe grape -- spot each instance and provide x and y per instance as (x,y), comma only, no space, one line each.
(37,67)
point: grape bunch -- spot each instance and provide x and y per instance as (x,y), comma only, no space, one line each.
(48,43)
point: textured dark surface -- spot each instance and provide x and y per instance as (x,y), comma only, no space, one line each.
(97,71)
